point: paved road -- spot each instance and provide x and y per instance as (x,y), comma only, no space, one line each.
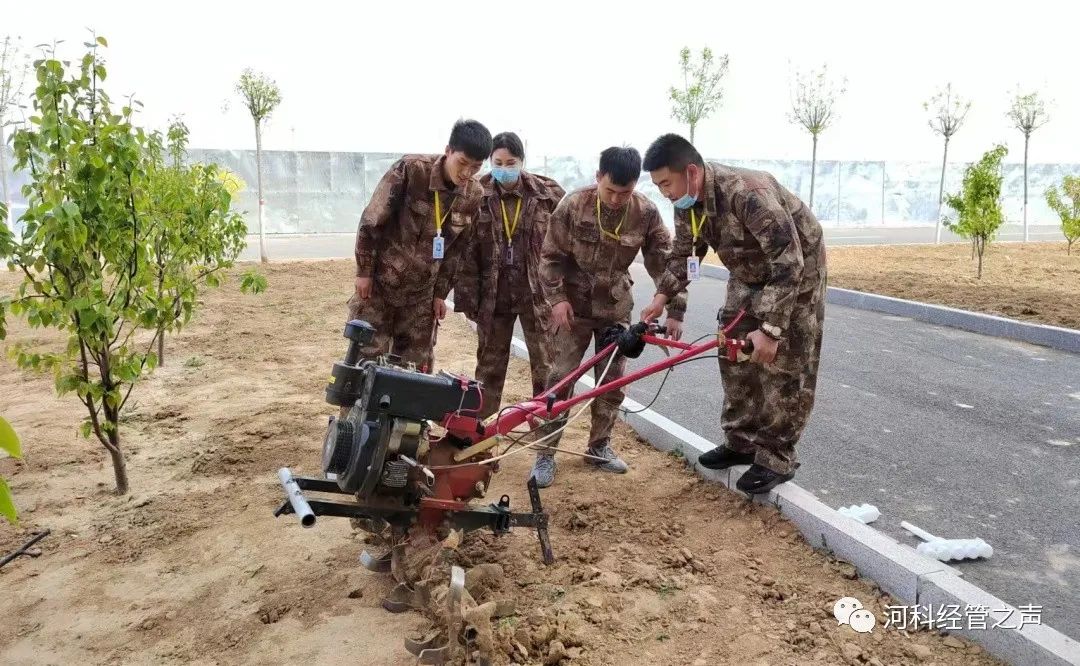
(322,246)
(961,434)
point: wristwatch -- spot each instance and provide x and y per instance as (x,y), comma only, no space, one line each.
(774,332)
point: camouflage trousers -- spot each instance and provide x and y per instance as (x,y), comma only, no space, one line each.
(766,407)
(407,331)
(493,356)
(567,350)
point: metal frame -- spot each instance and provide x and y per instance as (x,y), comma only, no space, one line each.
(496,517)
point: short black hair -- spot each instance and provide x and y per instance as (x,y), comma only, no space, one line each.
(622,165)
(472,138)
(511,142)
(672,151)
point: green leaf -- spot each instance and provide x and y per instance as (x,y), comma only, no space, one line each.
(9,441)
(101,40)
(7,507)
(149,317)
(71,209)
(253,282)
(85,429)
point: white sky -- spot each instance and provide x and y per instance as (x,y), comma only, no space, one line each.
(575,77)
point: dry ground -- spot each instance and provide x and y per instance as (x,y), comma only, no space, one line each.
(653,567)
(1035,282)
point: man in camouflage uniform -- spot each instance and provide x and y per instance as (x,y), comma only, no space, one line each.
(594,236)
(410,240)
(772,245)
(499,278)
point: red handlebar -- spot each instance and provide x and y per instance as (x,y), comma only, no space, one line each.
(545,406)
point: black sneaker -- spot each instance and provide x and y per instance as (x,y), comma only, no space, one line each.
(760,479)
(722,457)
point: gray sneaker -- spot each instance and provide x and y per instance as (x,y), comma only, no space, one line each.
(603,450)
(544,469)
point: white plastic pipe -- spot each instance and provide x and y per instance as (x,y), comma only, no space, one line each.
(922,534)
(946,550)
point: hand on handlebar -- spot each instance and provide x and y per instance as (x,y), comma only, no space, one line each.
(654,308)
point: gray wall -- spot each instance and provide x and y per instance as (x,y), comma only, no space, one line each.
(318,192)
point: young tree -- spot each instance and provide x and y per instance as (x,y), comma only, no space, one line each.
(14,64)
(194,232)
(813,100)
(1027,113)
(947,113)
(88,248)
(978,205)
(1068,211)
(261,96)
(702,92)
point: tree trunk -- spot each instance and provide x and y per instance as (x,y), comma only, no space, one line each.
(10,221)
(119,464)
(692,132)
(1026,138)
(161,348)
(813,173)
(941,192)
(981,244)
(974,244)
(258,169)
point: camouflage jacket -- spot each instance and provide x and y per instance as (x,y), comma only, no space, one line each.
(582,264)
(396,231)
(486,276)
(765,236)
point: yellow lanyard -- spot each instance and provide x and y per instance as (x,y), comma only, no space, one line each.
(507,227)
(439,217)
(695,226)
(607,233)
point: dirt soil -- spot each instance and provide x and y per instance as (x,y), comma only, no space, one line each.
(653,567)
(1035,282)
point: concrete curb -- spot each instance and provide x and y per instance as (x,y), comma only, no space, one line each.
(908,576)
(1065,339)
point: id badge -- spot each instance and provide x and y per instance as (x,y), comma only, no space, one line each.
(509,256)
(693,268)
(437,247)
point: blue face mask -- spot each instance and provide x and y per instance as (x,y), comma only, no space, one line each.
(506,175)
(686,200)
